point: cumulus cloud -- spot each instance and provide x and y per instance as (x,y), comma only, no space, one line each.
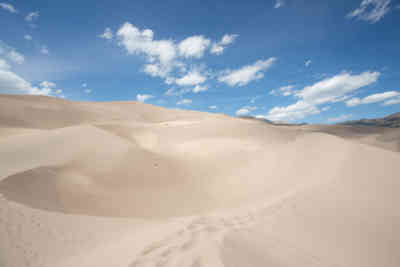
(308,63)
(184,102)
(279,3)
(87,91)
(199,88)
(16,57)
(284,90)
(28,37)
(32,16)
(246,74)
(13,84)
(44,50)
(160,54)
(4,65)
(219,47)
(329,90)
(10,8)
(342,117)
(372,98)
(212,107)
(371,10)
(168,59)
(107,34)
(136,41)
(194,77)
(143,98)
(193,46)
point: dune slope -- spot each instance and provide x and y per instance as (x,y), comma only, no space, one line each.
(130,184)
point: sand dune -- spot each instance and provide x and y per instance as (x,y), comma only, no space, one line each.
(130,184)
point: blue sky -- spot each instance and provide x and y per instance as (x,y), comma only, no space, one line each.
(294,60)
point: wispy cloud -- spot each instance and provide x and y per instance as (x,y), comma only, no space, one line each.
(329,90)
(380,97)
(10,8)
(32,16)
(184,102)
(245,110)
(279,3)
(219,47)
(371,10)
(342,117)
(284,90)
(246,74)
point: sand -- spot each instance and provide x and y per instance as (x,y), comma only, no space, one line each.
(130,184)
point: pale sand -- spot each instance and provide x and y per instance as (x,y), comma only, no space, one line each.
(130,184)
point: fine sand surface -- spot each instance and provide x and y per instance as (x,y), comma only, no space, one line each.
(129,184)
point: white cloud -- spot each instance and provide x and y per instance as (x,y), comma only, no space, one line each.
(279,3)
(143,98)
(199,88)
(171,92)
(392,101)
(372,98)
(32,16)
(159,70)
(84,84)
(329,90)
(284,90)
(342,117)
(245,110)
(136,41)
(14,84)
(325,108)
(308,63)
(107,34)
(193,46)
(16,57)
(371,10)
(47,84)
(242,112)
(58,91)
(28,37)
(212,107)
(44,50)
(87,91)
(194,77)
(246,74)
(184,102)
(227,39)
(10,8)
(335,88)
(298,110)
(160,54)
(4,65)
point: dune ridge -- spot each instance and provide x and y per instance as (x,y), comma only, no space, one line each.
(130,184)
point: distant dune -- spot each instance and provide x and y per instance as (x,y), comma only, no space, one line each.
(130,184)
